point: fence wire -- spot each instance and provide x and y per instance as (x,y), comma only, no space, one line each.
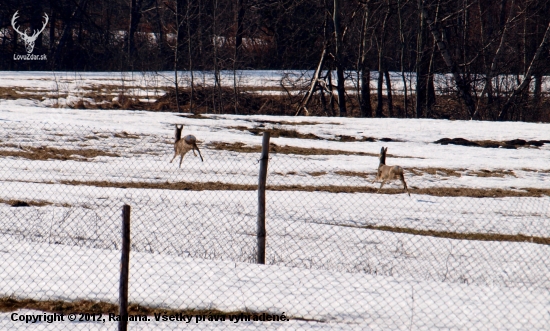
(339,255)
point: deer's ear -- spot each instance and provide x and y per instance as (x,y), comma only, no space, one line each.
(385,150)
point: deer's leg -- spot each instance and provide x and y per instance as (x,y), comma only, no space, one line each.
(404,184)
(198,150)
(175,154)
(181,159)
(382,184)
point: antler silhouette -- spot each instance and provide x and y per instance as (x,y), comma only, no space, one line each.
(29,40)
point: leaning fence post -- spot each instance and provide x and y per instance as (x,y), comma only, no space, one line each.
(124,270)
(261,234)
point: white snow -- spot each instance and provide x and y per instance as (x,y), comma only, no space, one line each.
(342,300)
(195,249)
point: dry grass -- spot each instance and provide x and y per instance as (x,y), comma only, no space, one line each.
(51,153)
(288,133)
(126,135)
(317,173)
(438,171)
(491,173)
(243,148)
(273,148)
(180,186)
(216,186)
(444,172)
(8,304)
(365,175)
(542,171)
(458,235)
(16,92)
(289,123)
(196,116)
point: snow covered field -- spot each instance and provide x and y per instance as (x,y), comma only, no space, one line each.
(340,300)
(195,249)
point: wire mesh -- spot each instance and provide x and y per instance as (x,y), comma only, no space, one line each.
(453,255)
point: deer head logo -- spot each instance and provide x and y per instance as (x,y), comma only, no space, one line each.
(29,40)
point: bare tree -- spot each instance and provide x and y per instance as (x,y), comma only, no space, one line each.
(365,98)
(135,16)
(339,59)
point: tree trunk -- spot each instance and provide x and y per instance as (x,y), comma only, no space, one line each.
(422,62)
(314,82)
(430,88)
(389,93)
(339,59)
(462,85)
(379,88)
(178,24)
(190,55)
(366,109)
(66,35)
(381,63)
(238,43)
(528,75)
(135,16)
(402,60)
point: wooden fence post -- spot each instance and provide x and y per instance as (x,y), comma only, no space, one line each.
(261,233)
(124,270)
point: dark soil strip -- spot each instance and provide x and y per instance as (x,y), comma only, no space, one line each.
(20,203)
(50,153)
(217,186)
(457,235)
(273,148)
(286,133)
(509,144)
(8,304)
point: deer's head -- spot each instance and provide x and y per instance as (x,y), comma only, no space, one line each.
(29,40)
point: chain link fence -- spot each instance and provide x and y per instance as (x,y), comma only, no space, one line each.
(339,254)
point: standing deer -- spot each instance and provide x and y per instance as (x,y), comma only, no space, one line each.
(386,173)
(182,146)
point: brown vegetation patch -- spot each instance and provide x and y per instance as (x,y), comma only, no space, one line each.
(543,171)
(28,203)
(355,173)
(273,148)
(437,171)
(415,171)
(457,235)
(287,133)
(509,144)
(126,135)
(317,173)
(181,186)
(207,99)
(235,147)
(491,173)
(196,116)
(47,153)
(16,92)
(290,123)
(218,186)
(8,304)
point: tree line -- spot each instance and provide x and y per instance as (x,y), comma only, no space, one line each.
(494,54)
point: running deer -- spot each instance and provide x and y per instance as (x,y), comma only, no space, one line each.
(182,146)
(386,173)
